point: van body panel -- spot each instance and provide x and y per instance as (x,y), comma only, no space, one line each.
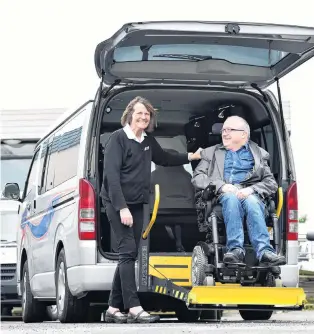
(49,210)
(91,277)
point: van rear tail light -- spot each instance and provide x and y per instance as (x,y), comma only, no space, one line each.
(292,212)
(86,211)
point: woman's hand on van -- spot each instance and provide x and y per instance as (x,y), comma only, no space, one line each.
(126,217)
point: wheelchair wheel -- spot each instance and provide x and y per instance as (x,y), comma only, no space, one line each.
(199,261)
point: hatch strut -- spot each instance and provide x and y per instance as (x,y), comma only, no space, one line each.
(254,85)
(281,110)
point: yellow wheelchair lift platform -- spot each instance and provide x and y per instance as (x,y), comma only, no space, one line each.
(155,268)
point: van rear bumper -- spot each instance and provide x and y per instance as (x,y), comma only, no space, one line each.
(91,278)
(99,277)
(290,275)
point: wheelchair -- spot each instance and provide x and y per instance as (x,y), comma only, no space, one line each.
(208,268)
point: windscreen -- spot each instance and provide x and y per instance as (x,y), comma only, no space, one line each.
(15,162)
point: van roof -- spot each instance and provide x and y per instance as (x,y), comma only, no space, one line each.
(67,114)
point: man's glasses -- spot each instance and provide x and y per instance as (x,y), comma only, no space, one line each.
(228,130)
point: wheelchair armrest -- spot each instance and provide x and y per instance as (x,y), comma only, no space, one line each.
(209,192)
(271,205)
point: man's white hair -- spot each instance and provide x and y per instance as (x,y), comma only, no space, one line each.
(246,126)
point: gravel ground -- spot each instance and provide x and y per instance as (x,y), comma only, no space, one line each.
(290,322)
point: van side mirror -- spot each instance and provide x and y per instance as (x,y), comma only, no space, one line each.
(12,191)
(310,236)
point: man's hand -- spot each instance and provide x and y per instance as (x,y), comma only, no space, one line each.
(229,188)
(196,155)
(126,217)
(244,193)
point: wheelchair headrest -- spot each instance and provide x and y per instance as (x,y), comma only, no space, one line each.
(216,128)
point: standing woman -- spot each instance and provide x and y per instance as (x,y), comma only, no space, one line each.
(126,185)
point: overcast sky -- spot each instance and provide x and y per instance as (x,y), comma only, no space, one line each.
(47,54)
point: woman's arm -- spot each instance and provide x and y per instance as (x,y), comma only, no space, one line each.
(163,158)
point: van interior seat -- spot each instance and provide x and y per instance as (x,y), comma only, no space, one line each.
(176,208)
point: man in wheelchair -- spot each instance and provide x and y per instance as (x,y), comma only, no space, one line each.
(242,182)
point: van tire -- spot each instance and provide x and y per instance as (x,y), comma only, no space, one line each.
(71,309)
(32,309)
(255,315)
(260,315)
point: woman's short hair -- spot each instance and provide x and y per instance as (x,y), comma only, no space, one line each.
(126,117)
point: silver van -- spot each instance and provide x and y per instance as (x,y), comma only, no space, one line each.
(195,74)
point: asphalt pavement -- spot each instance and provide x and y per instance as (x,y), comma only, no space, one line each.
(280,323)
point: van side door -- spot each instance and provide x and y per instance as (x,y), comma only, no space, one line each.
(44,210)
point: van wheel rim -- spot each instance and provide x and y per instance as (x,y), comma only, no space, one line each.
(61,288)
(24,295)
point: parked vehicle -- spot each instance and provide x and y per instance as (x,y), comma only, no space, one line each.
(16,156)
(195,74)
(20,131)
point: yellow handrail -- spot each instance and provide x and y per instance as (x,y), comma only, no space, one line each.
(279,207)
(155,210)
(280,202)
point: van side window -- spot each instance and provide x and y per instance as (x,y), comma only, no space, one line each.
(29,186)
(68,153)
(42,166)
(60,156)
(52,162)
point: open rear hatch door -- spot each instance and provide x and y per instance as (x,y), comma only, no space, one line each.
(206,53)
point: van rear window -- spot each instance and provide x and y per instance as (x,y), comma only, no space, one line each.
(233,54)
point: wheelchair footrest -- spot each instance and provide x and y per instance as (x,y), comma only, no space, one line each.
(235,294)
(244,267)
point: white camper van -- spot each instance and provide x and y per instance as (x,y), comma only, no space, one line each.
(196,74)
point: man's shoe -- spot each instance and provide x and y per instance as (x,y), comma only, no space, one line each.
(234,257)
(144,319)
(113,317)
(270,259)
